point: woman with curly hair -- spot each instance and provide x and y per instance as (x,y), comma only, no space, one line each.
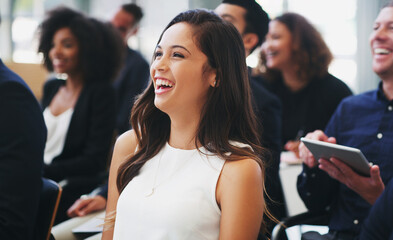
(80,111)
(294,65)
(192,167)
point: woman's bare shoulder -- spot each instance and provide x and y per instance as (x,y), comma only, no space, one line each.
(126,145)
(244,169)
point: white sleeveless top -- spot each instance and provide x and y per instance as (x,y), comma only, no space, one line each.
(57,127)
(183,204)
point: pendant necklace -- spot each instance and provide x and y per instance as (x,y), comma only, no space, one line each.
(155,177)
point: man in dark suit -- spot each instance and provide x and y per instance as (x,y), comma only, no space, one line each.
(252,23)
(134,75)
(22,142)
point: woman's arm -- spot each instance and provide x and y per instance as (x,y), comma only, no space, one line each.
(239,193)
(124,147)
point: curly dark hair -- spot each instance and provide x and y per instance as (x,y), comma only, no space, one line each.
(310,52)
(101,49)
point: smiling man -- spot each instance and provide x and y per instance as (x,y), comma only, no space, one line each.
(365,122)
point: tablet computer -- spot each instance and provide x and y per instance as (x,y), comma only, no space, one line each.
(353,157)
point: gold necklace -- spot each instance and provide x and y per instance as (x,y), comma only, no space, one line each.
(155,176)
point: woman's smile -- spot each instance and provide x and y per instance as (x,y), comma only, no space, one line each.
(163,85)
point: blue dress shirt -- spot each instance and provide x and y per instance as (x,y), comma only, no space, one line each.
(379,224)
(364,121)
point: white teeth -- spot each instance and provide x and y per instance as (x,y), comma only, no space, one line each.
(160,82)
(381,51)
(271,53)
(57,61)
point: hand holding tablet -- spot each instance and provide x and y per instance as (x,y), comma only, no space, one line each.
(353,157)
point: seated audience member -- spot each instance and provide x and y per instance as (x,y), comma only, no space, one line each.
(131,81)
(252,21)
(22,143)
(296,61)
(365,122)
(167,177)
(379,223)
(79,112)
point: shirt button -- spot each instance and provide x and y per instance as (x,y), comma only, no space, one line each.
(313,175)
(308,194)
(379,135)
(390,108)
(356,222)
(304,174)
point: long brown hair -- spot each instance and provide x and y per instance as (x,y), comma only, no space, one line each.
(310,52)
(227,113)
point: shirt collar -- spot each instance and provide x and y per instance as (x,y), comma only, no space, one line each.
(380,95)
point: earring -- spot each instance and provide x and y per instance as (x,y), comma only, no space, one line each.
(215,82)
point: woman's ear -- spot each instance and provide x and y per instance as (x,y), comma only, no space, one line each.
(213,81)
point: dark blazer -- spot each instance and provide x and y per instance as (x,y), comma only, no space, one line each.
(132,80)
(89,137)
(22,143)
(268,110)
(310,108)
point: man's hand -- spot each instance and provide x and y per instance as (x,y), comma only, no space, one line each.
(369,188)
(305,154)
(293,146)
(84,206)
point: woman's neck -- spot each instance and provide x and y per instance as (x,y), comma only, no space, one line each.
(74,82)
(183,131)
(292,80)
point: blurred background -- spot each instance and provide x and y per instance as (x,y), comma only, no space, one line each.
(344,24)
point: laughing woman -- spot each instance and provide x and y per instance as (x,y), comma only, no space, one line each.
(79,112)
(296,60)
(190,169)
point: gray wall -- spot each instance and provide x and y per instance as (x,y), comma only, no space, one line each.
(208,4)
(367,11)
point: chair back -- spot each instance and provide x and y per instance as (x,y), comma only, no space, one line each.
(49,202)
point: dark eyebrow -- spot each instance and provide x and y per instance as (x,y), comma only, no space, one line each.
(179,46)
(388,22)
(175,46)
(68,39)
